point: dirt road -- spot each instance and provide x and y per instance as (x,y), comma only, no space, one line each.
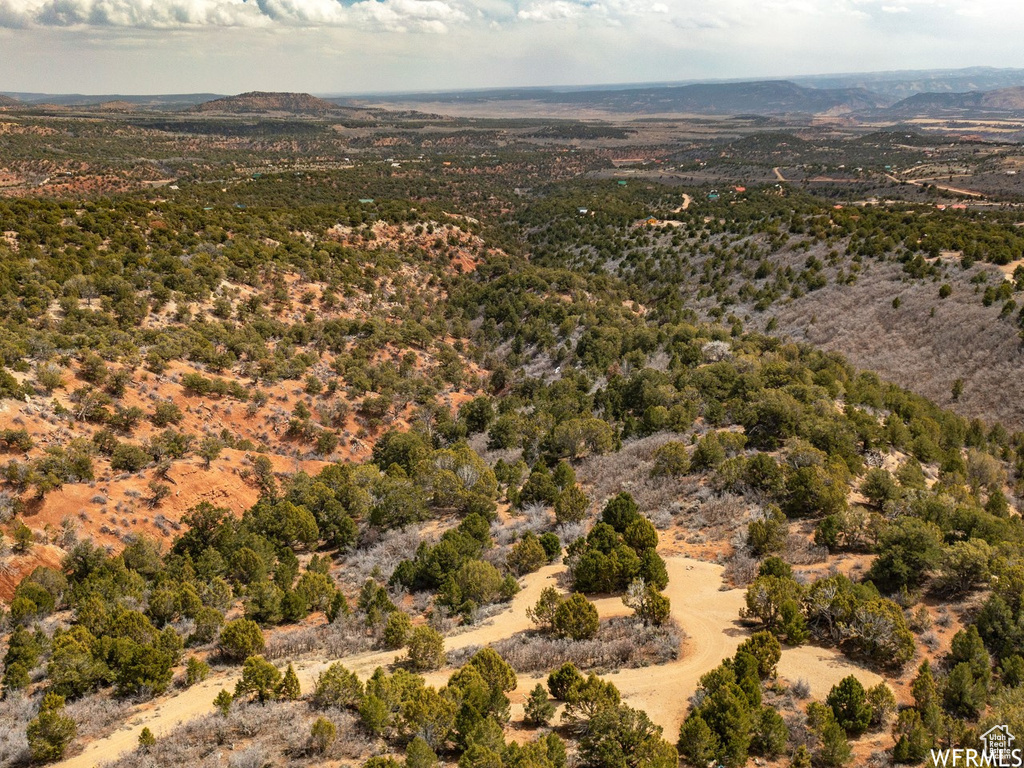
(706,611)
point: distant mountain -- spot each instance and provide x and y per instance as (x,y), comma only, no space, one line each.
(1008,100)
(7,101)
(899,85)
(79,100)
(768,97)
(263,101)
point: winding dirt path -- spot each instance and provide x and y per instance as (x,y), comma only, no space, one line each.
(704,608)
(687,201)
(923,182)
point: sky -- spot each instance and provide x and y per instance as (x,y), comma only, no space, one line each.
(360,46)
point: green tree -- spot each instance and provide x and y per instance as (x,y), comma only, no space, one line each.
(322,735)
(259,678)
(51,730)
(397,630)
(543,612)
(526,555)
(289,689)
(425,649)
(146,740)
(196,670)
(538,711)
(698,744)
(770,733)
(240,639)
(571,505)
(576,618)
(768,533)
(563,680)
(337,687)
(833,748)
(419,754)
(848,701)
(623,736)
(649,605)
(671,460)
(223,701)
(620,511)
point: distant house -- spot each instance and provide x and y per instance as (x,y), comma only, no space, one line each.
(365,199)
(622,183)
(740,189)
(713,194)
(582,211)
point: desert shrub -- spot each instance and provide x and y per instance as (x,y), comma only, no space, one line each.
(259,678)
(51,731)
(322,735)
(671,460)
(576,618)
(396,630)
(425,649)
(337,687)
(527,555)
(849,704)
(240,639)
(538,711)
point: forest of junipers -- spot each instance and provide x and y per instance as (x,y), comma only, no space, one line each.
(458,388)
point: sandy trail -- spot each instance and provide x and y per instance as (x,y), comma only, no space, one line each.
(922,182)
(687,201)
(706,611)
(778,174)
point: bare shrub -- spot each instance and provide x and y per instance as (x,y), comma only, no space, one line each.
(383,555)
(741,569)
(98,715)
(15,714)
(619,643)
(253,757)
(345,636)
(569,532)
(801,688)
(802,551)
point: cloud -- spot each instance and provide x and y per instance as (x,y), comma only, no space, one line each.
(385,15)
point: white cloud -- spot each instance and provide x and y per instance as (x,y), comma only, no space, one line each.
(386,15)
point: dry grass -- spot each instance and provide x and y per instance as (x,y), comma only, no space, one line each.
(343,637)
(15,713)
(381,556)
(251,736)
(98,715)
(621,642)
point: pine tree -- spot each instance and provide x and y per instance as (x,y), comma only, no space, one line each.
(146,740)
(289,689)
(538,710)
(50,732)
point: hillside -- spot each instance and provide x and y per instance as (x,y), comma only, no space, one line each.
(1008,100)
(763,98)
(465,440)
(262,101)
(7,101)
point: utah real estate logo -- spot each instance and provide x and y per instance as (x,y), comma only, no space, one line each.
(998,752)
